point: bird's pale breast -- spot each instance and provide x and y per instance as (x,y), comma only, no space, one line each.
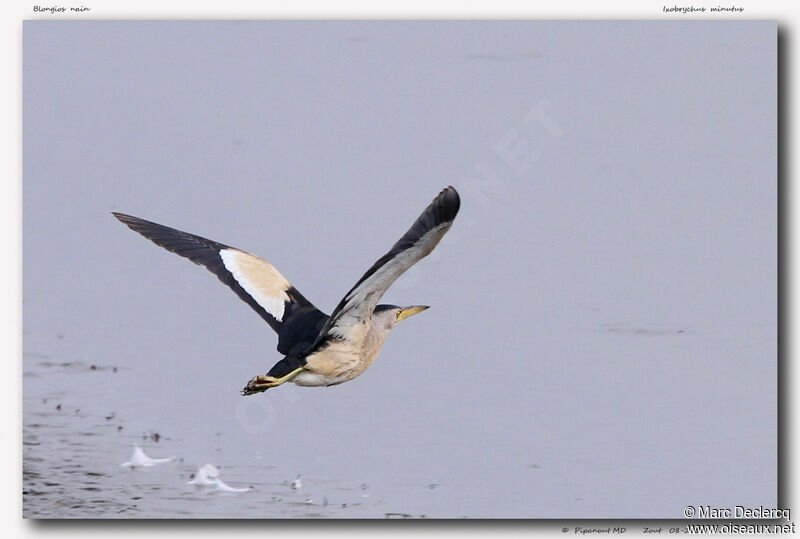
(341,361)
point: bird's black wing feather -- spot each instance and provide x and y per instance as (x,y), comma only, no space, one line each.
(296,321)
(426,232)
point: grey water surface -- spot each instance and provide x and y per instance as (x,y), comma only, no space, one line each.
(602,338)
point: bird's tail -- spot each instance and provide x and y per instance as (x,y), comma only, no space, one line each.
(287,365)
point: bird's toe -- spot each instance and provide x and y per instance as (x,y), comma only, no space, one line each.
(259,383)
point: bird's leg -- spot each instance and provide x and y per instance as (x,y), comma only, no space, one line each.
(263,382)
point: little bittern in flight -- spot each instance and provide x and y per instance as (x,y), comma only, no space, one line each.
(319,350)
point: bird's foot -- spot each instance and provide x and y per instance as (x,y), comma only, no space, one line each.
(260,383)
(263,382)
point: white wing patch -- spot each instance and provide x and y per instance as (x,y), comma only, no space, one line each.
(259,278)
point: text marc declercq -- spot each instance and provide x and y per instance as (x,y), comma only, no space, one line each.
(706,511)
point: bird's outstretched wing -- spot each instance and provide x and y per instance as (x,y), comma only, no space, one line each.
(359,303)
(296,321)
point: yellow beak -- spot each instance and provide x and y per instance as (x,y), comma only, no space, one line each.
(405,312)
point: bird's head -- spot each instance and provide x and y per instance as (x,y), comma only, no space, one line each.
(391,315)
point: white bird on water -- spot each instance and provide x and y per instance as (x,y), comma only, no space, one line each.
(297,484)
(140,460)
(208,476)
